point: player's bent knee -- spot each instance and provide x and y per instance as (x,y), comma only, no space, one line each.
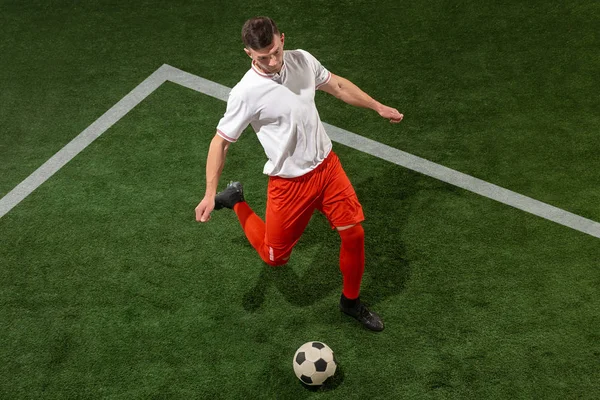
(343,228)
(275,257)
(354,234)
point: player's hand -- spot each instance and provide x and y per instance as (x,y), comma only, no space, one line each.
(204,209)
(391,113)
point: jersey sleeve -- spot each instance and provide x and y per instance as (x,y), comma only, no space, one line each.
(236,118)
(322,75)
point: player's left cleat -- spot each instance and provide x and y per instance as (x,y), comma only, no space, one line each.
(362,314)
(233,194)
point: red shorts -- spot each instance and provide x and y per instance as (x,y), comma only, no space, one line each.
(292,201)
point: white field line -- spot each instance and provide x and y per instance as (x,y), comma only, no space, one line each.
(201,85)
(81,141)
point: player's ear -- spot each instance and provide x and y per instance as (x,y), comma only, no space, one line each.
(248,52)
(282,37)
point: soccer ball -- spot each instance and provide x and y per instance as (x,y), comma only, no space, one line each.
(314,362)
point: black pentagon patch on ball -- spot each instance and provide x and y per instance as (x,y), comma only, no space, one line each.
(321,365)
(306,379)
(318,345)
(300,358)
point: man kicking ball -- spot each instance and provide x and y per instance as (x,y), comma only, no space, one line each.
(276,97)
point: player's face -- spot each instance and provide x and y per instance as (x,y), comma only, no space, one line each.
(269,59)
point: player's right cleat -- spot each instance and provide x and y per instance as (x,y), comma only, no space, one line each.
(233,194)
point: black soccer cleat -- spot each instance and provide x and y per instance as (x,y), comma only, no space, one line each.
(362,314)
(233,194)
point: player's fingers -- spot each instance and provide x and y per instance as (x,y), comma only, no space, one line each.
(199,213)
(205,216)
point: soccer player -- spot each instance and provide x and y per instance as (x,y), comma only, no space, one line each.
(276,97)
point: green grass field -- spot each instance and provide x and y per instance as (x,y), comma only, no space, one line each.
(109,289)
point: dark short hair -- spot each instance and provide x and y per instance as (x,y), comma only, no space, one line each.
(258,32)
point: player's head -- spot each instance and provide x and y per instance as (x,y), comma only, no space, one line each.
(263,43)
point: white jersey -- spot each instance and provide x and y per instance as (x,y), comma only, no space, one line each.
(281,109)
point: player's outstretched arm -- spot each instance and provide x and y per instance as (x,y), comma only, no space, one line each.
(349,93)
(214,166)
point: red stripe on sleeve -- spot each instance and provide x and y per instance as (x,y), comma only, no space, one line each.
(224,136)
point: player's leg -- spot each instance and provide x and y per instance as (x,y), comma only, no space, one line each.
(254,229)
(344,212)
(352,265)
(253,226)
(290,205)
(352,259)
(287,217)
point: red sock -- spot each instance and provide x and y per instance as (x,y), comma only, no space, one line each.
(352,259)
(253,226)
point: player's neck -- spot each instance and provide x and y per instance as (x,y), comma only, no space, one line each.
(255,64)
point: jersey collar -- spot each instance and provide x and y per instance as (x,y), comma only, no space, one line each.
(274,76)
